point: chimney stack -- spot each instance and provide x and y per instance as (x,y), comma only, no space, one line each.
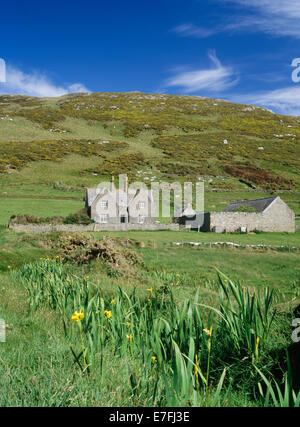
(123,183)
(112,187)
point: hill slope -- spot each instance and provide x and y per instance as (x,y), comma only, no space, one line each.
(53,146)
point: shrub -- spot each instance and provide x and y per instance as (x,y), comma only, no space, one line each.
(258,176)
(32,219)
(46,117)
(15,155)
(127,163)
(82,250)
(78,218)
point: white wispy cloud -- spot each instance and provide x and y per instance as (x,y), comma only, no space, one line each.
(289,8)
(35,84)
(276,17)
(191,30)
(217,79)
(283,101)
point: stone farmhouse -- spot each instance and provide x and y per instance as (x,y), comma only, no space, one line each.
(269,214)
(122,206)
(135,207)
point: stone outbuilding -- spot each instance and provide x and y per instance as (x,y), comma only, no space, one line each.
(270,215)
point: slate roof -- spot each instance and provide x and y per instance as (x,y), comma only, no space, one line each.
(260,205)
(123,199)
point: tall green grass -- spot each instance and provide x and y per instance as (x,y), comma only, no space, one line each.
(246,318)
(172,350)
(280,396)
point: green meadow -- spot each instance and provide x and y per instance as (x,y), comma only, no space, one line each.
(151,325)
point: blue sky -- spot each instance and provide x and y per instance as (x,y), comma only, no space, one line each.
(239,50)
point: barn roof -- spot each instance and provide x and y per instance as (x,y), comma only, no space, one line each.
(260,205)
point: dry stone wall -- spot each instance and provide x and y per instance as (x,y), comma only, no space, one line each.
(48,228)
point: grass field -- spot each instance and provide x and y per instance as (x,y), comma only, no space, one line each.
(45,373)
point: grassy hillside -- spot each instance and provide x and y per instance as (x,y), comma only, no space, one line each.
(57,147)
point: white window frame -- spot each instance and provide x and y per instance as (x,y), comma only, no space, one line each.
(104,218)
(104,204)
(142,205)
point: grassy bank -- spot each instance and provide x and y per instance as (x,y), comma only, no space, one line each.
(147,331)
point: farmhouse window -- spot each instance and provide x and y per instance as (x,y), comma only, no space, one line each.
(104,219)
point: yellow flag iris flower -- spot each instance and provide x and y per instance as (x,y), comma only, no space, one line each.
(78,316)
